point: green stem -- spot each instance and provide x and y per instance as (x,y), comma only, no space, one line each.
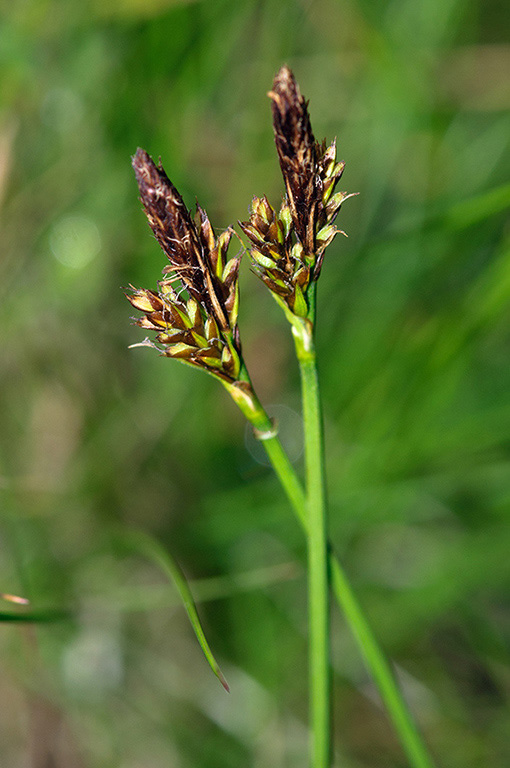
(375,660)
(318,578)
(382,673)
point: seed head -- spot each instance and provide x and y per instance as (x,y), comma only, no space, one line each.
(288,247)
(201,328)
(295,144)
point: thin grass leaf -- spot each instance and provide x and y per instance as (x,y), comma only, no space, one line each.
(476,209)
(145,545)
(459,216)
(35,617)
(147,597)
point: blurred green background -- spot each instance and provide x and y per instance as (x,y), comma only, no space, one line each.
(98,440)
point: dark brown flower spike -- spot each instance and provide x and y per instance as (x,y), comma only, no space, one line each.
(295,144)
(288,246)
(200,329)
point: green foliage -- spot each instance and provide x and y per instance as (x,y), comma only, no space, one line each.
(413,349)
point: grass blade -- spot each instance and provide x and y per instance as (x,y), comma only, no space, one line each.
(145,545)
(35,617)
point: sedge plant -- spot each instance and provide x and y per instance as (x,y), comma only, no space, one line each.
(194,315)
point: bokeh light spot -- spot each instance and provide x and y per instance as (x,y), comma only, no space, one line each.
(75,241)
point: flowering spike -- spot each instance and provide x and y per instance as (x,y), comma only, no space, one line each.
(288,248)
(295,144)
(171,222)
(199,329)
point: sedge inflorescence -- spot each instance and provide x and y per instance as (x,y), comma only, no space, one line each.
(200,330)
(286,245)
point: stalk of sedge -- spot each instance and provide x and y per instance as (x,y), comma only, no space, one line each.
(373,656)
(201,330)
(287,252)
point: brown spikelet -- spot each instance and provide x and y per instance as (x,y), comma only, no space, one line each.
(171,222)
(287,248)
(202,329)
(295,144)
